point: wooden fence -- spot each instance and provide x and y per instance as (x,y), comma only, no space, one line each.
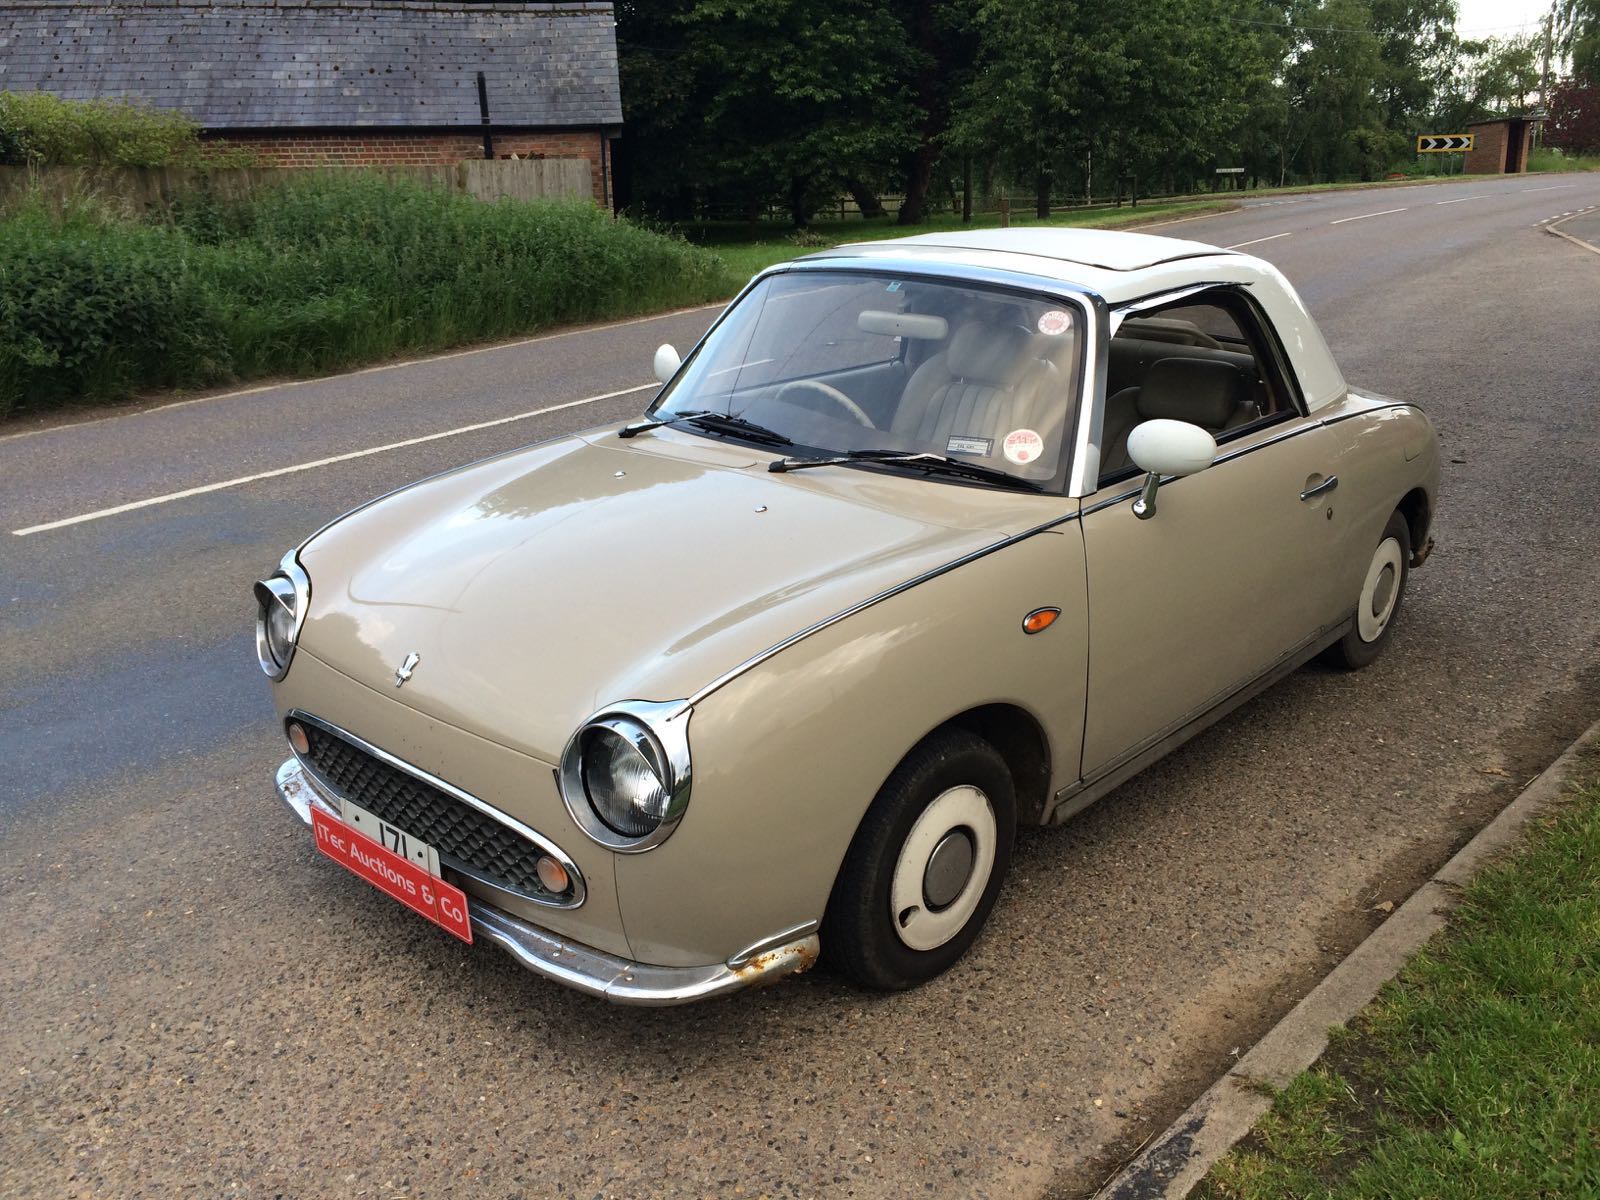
(145,189)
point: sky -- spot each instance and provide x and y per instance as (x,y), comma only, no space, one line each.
(1500,18)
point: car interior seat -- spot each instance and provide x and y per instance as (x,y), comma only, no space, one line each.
(1213,395)
(984,384)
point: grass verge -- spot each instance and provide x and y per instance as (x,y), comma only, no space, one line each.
(310,277)
(1476,1073)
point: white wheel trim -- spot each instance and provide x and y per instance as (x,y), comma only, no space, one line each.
(1388,559)
(963,807)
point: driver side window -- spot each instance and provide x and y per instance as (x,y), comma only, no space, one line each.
(1205,360)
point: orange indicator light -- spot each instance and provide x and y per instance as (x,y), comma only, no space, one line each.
(1040,619)
(552,874)
(298,738)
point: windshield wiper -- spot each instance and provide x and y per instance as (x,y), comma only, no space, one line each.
(712,422)
(934,464)
(638,427)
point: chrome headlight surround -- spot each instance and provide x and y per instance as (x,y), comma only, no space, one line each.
(281,603)
(658,734)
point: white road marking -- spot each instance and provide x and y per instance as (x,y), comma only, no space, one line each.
(321,462)
(1553,188)
(1226,212)
(1464,199)
(388,366)
(1256,241)
(1364,216)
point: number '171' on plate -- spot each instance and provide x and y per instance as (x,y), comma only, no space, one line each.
(442,903)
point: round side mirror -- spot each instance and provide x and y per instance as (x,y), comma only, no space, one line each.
(1165,447)
(667,362)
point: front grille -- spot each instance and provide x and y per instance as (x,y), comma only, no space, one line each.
(463,836)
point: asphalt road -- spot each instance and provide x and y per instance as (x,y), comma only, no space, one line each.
(196,1004)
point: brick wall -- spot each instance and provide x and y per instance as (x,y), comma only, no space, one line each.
(1488,153)
(376,148)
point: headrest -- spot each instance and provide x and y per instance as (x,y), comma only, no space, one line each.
(1197,390)
(984,353)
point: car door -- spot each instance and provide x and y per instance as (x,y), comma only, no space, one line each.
(1227,579)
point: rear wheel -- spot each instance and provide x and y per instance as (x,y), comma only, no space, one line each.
(925,866)
(1381,593)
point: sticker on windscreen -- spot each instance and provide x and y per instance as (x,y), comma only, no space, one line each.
(1022,446)
(1055,322)
(969,445)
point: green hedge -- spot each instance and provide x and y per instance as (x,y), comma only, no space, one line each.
(37,127)
(308,277)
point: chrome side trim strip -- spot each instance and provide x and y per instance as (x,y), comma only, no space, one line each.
(756,660)
(583,968)
(579,891)
(1350,416)
(1285,435)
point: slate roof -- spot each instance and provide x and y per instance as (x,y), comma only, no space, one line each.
(259,64)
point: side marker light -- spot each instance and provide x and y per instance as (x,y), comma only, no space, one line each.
(1040,619)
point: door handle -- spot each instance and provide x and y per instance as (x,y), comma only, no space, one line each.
(1327,485)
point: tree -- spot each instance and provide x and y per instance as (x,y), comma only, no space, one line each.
(1577,27)
(1145,87)
(1331,84)
(1574,125)
(761,99)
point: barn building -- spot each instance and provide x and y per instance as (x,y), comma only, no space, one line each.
(340,82)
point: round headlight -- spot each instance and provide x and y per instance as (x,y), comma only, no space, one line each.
(280,632)
(625,774)
(280,609)
(624,777)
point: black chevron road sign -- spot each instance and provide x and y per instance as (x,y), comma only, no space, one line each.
(1441,143)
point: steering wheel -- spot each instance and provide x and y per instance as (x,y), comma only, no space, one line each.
(831,393)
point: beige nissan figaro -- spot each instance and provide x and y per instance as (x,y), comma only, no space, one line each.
(927,539)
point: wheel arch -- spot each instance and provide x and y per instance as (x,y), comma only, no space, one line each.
(1018,737)
(1417,511)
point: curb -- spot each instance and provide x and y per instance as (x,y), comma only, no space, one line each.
(1179,1158)
(1550,228)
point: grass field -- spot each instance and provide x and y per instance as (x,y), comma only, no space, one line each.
(1476,1074)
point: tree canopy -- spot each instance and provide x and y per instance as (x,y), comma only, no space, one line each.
(735,105)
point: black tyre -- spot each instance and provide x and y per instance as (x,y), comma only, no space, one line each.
(925,866)
(1381,593)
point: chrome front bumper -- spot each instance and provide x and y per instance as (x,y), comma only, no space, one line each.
(584,968)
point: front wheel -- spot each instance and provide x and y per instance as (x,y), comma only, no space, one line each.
(1381,592)
(925,866)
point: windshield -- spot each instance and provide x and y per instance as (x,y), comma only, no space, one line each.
(845,361)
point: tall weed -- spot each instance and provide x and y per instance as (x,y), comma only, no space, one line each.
(317,274)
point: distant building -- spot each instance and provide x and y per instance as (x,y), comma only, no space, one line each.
(1500,147)
(339,82)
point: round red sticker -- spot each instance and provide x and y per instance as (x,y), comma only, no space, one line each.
(1055,322)
(1022,446)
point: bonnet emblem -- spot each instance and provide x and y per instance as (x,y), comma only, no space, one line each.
(404,673)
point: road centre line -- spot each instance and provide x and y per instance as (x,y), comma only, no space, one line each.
(1364,216)
(1552,188)
(373,370)
(321,462)
(1257,241)
(1464,199)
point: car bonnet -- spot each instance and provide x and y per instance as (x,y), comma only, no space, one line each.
(537,587)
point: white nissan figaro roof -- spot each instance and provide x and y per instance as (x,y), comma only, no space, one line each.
(1124,267)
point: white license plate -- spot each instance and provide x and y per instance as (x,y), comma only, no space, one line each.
(391,837)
